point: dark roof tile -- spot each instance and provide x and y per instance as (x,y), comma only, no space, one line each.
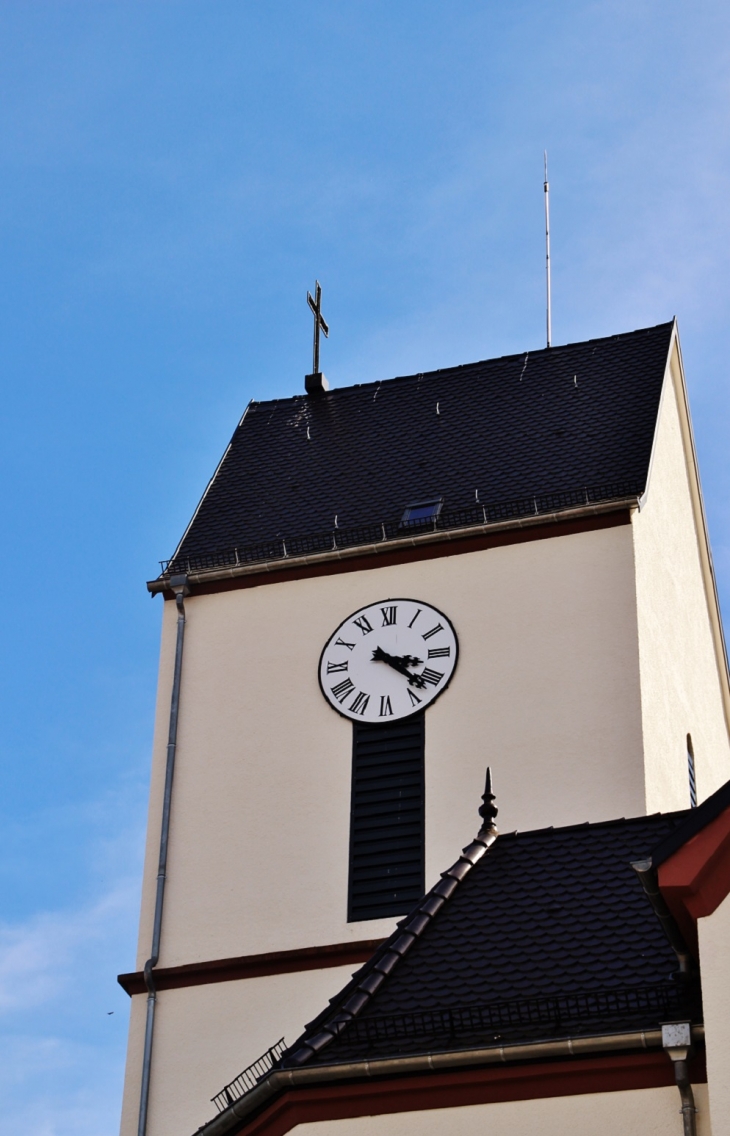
(543,422)
(550,918)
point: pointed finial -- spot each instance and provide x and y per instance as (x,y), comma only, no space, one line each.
(488,810)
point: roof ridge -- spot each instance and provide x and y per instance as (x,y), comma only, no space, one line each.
(514,355)
(366,981)
(554,831)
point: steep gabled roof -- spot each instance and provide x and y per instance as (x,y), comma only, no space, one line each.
(547,934)
(573,420)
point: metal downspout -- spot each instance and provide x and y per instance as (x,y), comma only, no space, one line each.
(647,874)
(677,1044)
(180,587)
(688,1109)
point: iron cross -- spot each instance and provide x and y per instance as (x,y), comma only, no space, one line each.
(319,322)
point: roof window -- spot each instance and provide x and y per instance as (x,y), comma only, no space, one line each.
(421,512)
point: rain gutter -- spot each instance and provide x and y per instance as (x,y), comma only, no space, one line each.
(378,548)
(282,1079)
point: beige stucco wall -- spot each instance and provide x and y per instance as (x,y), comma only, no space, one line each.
(714,937)
(680,680)
(546,691)
(644,1112)
(205,1036)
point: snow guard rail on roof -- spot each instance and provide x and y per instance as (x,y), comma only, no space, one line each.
(250,1076)
(282,548)
(517,1019)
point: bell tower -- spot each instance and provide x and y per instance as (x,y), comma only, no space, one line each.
(383,589)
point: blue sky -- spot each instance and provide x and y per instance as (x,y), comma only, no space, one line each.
(174,176)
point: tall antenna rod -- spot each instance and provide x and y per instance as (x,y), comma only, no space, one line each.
(546,187)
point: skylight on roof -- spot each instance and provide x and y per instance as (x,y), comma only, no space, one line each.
(421,512)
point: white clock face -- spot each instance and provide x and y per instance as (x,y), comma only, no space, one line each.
(388,660)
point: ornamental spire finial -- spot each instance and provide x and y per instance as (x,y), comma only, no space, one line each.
(488,810)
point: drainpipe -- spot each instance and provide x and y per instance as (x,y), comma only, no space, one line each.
(677,1043)
(647,874)
(179,585)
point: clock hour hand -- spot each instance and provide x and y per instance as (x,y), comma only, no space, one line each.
(400,663)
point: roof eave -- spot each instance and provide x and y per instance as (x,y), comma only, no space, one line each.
(266,567)
(281,1080)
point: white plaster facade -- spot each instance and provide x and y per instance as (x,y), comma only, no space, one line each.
(683,676)
(641,1112)
(584,662)
(547,691)
(205,1035)
(714,937)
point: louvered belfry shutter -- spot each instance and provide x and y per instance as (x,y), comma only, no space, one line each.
(387,819)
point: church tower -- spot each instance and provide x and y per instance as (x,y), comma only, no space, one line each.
(384,589)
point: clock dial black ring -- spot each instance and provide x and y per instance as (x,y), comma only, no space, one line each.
(388,660)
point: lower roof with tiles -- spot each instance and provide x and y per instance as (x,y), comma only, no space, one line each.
(542,934)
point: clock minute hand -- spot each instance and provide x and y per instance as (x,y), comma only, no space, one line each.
(400,663)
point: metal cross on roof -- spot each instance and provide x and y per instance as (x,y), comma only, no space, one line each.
(319,322)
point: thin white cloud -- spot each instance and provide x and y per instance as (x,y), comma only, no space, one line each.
(38,958)
(50,1087)
(63,1018)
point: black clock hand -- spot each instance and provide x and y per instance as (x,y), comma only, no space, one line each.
(400,663)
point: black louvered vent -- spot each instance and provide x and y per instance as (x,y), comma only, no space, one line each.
(387,819)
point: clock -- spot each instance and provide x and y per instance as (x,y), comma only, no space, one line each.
(388,660)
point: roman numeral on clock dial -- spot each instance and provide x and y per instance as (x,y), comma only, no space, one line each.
(364,624)
(342,689)
(389,614)
(359,703)
(332,667)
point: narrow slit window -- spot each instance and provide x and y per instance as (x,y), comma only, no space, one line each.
(691,773)
(387,819)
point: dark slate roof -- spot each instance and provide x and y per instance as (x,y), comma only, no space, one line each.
(549,934)
(543,422)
